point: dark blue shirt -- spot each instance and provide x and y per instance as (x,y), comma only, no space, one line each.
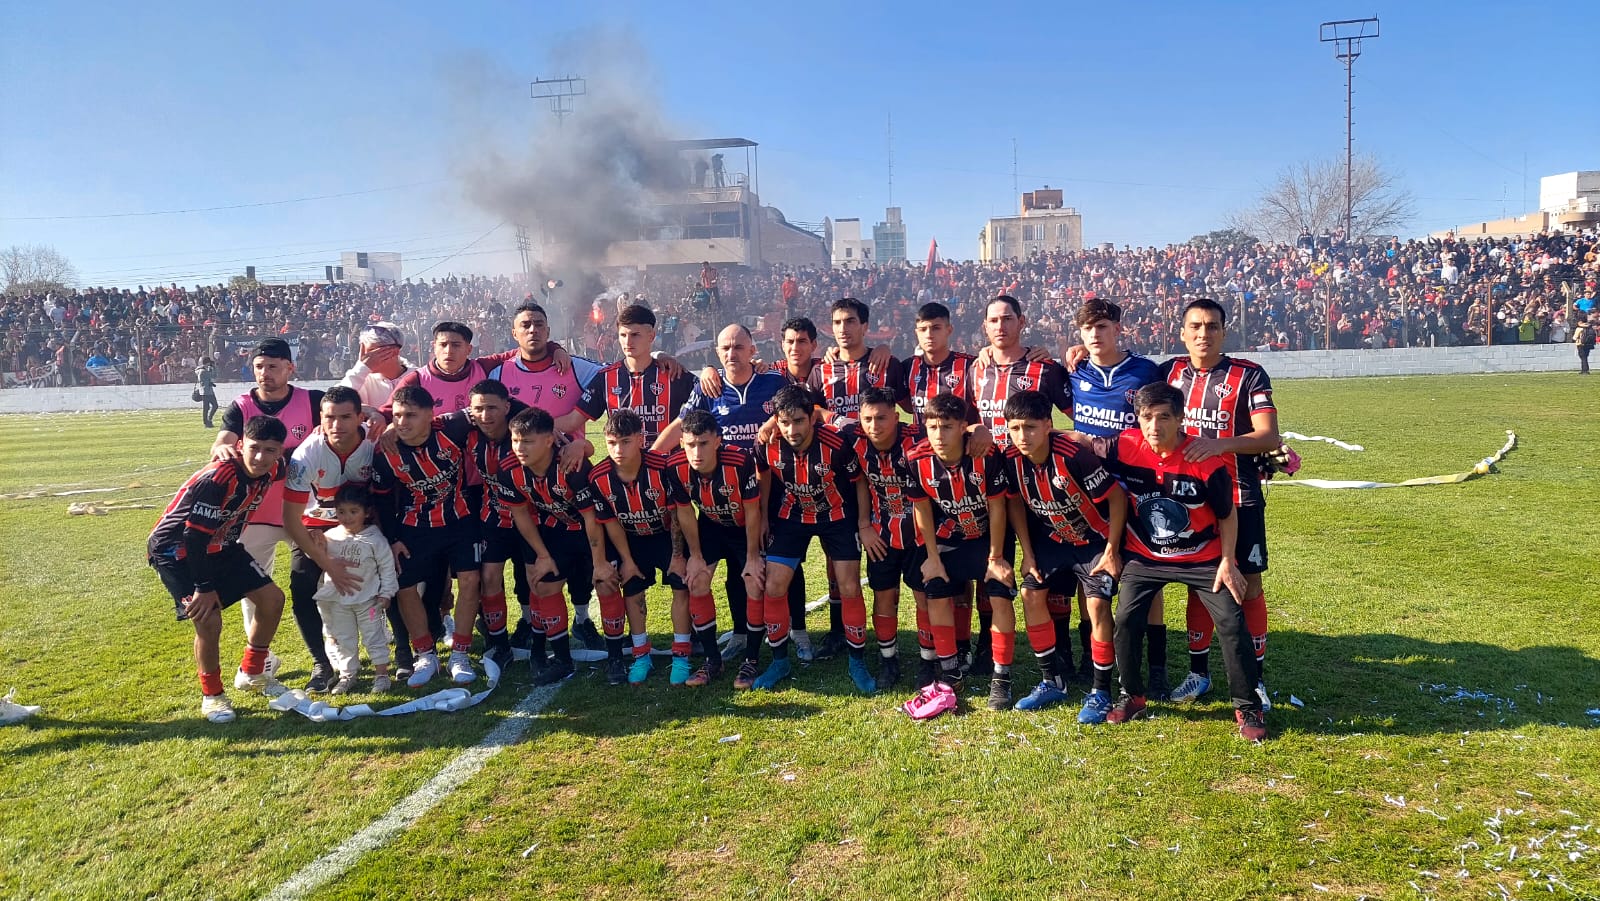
(1102,398)
(740,411)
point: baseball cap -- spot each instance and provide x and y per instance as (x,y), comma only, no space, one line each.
(381,334)
(273,347)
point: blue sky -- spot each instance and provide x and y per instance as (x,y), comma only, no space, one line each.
(1157,119)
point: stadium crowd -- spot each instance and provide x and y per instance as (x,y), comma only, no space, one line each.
(1310,295)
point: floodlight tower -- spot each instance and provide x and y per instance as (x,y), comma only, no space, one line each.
(559,91)
(1346,35)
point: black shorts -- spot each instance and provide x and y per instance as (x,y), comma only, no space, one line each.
(838,539)
(897,565)
(1250,552)
(652,554)
(967,561)
(431,549)
(720,542)
(237,575)
(570,551)
(502,544)
(1065,568)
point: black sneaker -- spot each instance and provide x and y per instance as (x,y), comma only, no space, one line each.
(322,678)
(616,671)
(927,672)
(889,672)
(557,671)
(1000,693)
(831,647)
(1158,689)
(586,633)
(522,636)
(500,654)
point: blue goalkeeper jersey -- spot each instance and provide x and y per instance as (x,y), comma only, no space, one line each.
(740,410)
(1102,397)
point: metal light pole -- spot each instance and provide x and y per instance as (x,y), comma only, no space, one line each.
(1346,35)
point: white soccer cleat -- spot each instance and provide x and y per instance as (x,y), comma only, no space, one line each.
(461,671)
(273,664)
(1193,686)
(424,669)
(216,709)
(266,685)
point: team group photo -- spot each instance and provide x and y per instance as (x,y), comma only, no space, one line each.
(725,452)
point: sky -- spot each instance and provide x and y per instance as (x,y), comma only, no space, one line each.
(181,142)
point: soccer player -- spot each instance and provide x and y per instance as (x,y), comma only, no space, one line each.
(429,524)
(721,480)
(882,443)
(272,363)
(627,514)
(542,375)
(195,550)
(960,507)
(936,369)
(544,500)
(1068,514)
(1227,407)
(841,377)
(336,454)
(1103,384)
(452,371)
(638,383)
(740,407)
(806,493)
(1007,367)
(1182,528)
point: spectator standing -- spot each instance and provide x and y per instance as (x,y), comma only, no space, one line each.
(205,377)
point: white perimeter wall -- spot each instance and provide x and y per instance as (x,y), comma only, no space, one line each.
(1300,364)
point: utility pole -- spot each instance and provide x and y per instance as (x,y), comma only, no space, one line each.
(1346,35)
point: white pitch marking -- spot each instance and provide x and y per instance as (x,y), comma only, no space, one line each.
(411,808)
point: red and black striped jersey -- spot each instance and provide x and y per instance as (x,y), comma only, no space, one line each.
(890,481)
(1065,495)
(960,494)
(1218,403)
(425,481)
(643,504)
(656,398)
(721,493)
(925,381)
(1174,504)
(815,485)
(489,459)
(217,501)
(555,496)
(992,387)
(840,385)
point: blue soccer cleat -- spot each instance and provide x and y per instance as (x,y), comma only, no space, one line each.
(1045,694)
(776,671)
(1095,708)
(862,677)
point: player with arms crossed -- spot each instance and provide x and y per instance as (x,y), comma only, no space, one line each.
(1182,528)
(632,532)
(1067,513)
(888,526)
(960,505)
(808,491)
(721,481)
(195,550)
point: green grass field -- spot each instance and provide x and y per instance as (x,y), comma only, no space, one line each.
(1442,640)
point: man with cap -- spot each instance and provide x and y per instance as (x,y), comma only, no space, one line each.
(379,366)
(297,408)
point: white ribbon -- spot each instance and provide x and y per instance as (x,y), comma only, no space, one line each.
(445,701)
(1296,436)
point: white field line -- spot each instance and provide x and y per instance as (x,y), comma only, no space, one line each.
(411,808)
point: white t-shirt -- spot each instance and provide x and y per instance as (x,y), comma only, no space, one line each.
(373,563)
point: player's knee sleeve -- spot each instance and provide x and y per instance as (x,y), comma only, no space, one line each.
(886,627)
(1042,637)
(1003,646)
(613,612)
(944,640)
(853,610)
(493,608)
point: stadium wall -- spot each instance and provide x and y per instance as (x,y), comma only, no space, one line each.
(1297,364)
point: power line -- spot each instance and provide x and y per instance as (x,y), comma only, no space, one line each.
(214,209)
(467,246)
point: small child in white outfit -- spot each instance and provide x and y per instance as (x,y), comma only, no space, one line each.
(350,620)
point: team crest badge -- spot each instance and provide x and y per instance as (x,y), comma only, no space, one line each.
(1222,390)
(1023,383)
(1059,481)
(822,469)
(975,478)
(652,494)
(725,490)
(655,388)
(299,431)
(951,380)
(767,408)
(559,390)
(1128,396)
